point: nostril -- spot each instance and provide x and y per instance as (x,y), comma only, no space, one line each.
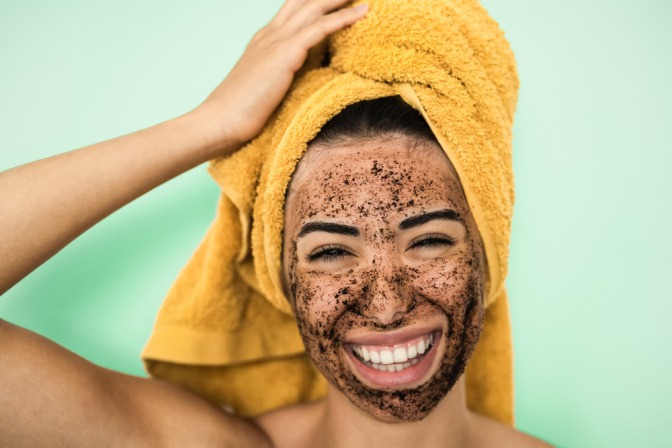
(385,306)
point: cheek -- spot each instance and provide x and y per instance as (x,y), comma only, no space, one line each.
(319,305)
(320,300)
(446,281)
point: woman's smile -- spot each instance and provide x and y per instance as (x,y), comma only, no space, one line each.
(383,264)
(400,362)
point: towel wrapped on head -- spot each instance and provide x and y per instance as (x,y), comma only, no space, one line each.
(226,331)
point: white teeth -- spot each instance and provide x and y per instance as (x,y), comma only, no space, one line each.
(412,351)
(396,360)
(386,357)
(400,355)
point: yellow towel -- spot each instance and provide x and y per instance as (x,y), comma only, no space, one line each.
(226,331)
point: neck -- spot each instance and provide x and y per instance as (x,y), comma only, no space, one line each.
(345,425)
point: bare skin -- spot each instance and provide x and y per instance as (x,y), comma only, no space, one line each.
(319,424)
(51,397)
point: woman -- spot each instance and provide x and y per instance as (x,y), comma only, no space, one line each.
(412,277)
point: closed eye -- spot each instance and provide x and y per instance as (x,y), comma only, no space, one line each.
(432,241)
(328,253)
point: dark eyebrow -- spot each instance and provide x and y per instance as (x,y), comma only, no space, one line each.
(321,226)
(415,221)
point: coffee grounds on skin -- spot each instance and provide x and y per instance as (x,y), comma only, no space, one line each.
(376,187)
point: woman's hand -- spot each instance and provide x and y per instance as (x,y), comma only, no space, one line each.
(244,101)
(48,203)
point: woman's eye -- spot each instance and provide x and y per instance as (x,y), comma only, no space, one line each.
(328,254)
(432,242)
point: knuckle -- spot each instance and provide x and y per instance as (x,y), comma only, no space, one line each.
(323,23)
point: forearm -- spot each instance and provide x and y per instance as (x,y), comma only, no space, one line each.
(48,203)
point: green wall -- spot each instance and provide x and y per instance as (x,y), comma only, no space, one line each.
(590,248)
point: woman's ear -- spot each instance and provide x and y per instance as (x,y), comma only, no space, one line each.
(285,287)
(485,272)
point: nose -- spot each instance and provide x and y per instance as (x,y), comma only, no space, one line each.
(386,301)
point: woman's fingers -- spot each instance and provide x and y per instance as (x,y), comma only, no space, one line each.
(287,10)
(324,25)
(259,81)
(295,47)
(307,13)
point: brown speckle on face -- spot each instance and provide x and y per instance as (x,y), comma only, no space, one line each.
(373,275)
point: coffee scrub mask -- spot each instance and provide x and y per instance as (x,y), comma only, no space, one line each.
(384,270)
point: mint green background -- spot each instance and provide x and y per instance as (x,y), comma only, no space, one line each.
(591,246)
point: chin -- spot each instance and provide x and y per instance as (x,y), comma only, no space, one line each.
(411,394)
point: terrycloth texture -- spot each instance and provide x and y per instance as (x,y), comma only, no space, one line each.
(226,330)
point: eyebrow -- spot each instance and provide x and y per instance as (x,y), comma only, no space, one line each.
(415,221)
(321,226)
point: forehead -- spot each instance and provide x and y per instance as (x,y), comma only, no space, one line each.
(378,178)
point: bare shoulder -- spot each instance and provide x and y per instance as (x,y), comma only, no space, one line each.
(292,426)
(179,418)
(490,433)
(48,393)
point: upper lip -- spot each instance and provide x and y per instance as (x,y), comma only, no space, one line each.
(389,338)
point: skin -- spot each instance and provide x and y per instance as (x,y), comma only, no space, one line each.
(52,397)
(427,277)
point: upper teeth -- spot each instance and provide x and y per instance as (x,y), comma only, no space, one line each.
(394,354)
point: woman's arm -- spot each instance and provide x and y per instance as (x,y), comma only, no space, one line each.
(50,396)
(46,204)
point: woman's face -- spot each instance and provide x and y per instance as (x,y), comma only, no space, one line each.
(383,264)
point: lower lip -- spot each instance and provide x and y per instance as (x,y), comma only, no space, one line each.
(409,377)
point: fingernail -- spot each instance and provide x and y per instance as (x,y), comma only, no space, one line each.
(361,8)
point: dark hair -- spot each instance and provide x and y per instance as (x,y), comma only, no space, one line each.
(374,119)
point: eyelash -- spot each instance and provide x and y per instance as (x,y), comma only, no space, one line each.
(328,253)
(432,241)
(332,253)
